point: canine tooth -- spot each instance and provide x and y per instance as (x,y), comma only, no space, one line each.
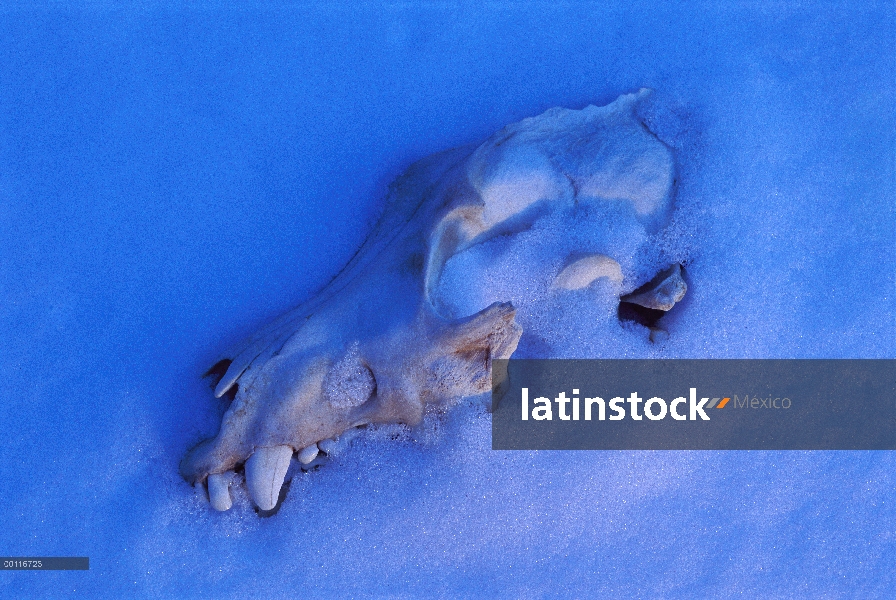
(265,471)
(219,491)
(308,454)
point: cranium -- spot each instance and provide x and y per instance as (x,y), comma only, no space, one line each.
(418,315)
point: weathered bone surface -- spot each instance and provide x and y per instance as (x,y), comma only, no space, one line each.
(582,272)
(384,338)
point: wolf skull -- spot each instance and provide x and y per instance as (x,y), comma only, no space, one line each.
(388,336)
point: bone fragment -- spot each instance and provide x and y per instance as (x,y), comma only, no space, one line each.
(662,293)
(265,471)
(583,271)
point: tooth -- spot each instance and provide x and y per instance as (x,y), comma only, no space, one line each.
(219,491)
(308,454)
(327,446)
(265,471)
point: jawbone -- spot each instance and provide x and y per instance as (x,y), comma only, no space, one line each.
(388,336)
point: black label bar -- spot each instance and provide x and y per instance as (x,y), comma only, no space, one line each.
(45,563)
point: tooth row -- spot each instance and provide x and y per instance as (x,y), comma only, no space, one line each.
(265,471)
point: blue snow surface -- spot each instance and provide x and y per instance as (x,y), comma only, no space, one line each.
(173,178)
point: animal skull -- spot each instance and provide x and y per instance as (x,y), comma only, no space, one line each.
(388,335)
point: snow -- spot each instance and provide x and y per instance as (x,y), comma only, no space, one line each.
(171,179)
